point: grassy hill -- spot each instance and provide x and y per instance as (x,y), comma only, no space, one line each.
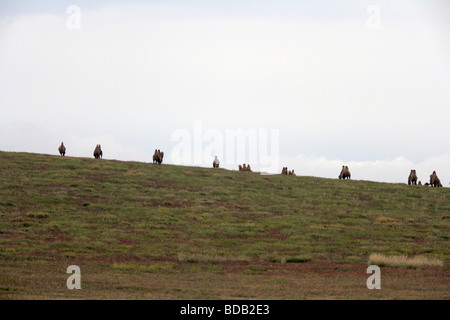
(144,231)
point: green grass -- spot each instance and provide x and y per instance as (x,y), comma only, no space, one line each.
(139,230)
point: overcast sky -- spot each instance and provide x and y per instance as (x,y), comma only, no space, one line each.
(361,83)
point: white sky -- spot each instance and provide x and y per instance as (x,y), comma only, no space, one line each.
(338,91)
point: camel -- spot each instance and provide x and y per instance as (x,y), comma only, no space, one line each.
(98,153)
(62,149)
(412,179)
(216,162)
(345,173)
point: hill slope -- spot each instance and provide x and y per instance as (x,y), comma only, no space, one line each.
(139,230)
